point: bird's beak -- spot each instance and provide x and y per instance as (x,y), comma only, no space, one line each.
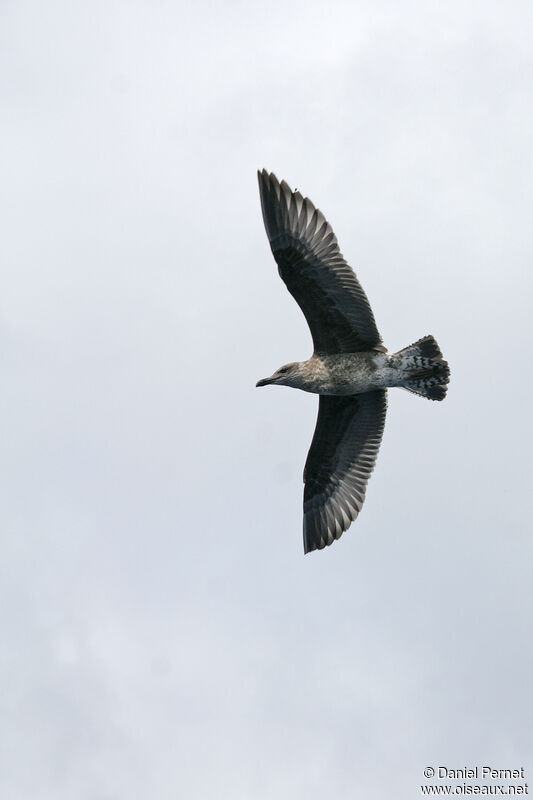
(264,382)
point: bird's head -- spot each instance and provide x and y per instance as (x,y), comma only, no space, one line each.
(288,375)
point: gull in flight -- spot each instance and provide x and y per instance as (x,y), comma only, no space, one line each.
(350,368)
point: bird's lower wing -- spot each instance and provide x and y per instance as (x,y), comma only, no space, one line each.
(340,461)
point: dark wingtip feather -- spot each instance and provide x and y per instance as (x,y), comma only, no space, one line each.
(309,545)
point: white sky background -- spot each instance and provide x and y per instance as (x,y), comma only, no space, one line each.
(163,634)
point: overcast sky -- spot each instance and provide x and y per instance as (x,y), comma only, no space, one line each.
(163,634)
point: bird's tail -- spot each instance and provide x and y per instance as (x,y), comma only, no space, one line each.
(426,372)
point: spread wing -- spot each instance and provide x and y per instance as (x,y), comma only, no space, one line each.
(340,461)
(311,264)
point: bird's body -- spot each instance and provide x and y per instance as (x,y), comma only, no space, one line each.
(350,368)
(342,373)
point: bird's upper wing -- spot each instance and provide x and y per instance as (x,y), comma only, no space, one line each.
(311,264)
(341,458)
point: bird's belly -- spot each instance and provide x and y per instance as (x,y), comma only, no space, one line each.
(356,385)
(354,373)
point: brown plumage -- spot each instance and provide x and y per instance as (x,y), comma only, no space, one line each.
(350,368)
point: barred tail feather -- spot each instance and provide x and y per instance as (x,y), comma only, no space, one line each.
(431,387)
(426,372)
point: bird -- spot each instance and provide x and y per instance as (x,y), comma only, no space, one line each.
(350,368)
